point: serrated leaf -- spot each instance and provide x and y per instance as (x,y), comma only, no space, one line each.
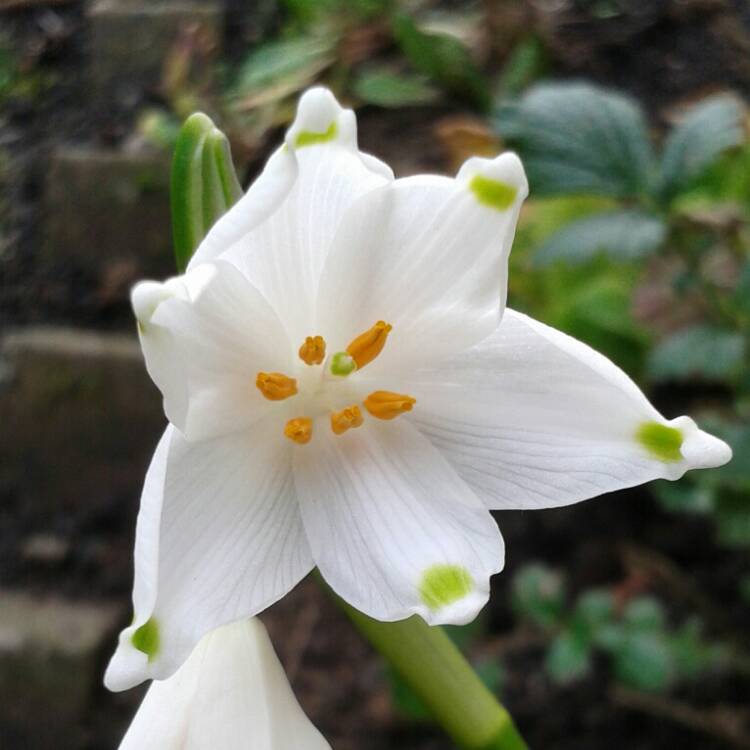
(568,658)
(444,59)
(384,88)
(579,138)
(203,184)
(539,594)
(621,235)
(709,129)
(701,351)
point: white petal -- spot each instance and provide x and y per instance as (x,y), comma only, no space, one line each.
(391,526)
(429,256)
(260,201)
(219,537)
(532,418)
(205,336)
(283,257)
(231,694)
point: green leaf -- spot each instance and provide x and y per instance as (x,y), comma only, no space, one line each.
(644,613)
(539,594)
(575,138)
(684,497)
(594,608)
(622,235)
(280,68)
(526,63)
(384,88)
(568,658)
(643,661)
(708,130)
(733,518)
(701,351)
(444,59)
(203,185)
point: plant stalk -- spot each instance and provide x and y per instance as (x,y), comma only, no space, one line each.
(433,667)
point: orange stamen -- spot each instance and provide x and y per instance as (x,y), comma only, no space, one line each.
(343,420)
(388,405)
(299,430)
(313,351)
(369,344)
(276,386)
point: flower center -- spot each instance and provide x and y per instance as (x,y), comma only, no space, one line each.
(323,386)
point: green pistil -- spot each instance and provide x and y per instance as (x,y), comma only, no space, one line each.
(342,364)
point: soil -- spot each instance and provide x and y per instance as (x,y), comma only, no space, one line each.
(664,53)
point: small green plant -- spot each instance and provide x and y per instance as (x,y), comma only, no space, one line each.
(621,218)
(642,651)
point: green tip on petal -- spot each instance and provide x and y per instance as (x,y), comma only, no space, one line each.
(342,364)
(662,442)
(310,137)
(442,585)
(146,638)
(493,193)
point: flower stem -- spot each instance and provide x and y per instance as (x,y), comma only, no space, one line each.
(437,672)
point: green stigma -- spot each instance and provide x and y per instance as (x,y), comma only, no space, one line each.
(493,193)
(660,441)
(442,585)
(146,638)
(342,364)
(310,137)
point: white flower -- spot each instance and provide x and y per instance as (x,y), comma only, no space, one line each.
(343,394)
(230,694)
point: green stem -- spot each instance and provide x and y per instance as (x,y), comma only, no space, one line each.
(437,672)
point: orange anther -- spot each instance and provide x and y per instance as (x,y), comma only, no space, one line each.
(387,405)
(369,344)
(299,430)
(276,386)
(343,420)
(313,351)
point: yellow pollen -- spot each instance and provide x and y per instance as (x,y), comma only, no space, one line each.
(387,405)
(275,386)
(369,344)
(313,351)
(343,420)
(299,430)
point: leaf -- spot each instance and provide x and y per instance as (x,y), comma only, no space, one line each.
(708,130)
(622,235)
(594,608)
(643,661)
(539,594)
(280,68)
(568,658)
(733,518)
(384,88)
(578,138)
(444,59)
(644,613)
(684,497)
(203,184)
(701,351)
(526,63)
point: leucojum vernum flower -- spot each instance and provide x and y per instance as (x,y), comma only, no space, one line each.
(230,694)
(346,389)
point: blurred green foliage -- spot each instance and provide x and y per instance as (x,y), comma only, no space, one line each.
(641,649)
